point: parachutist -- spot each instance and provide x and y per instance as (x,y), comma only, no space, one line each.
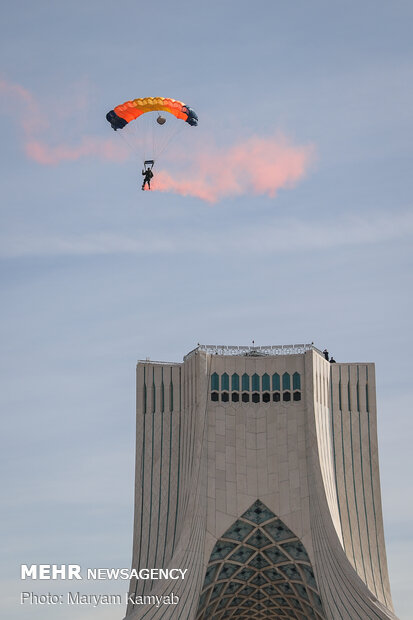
(129,111)
(147,174)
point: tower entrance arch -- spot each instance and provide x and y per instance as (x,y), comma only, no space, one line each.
(259,569)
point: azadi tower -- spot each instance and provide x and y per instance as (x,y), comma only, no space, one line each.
(257,471)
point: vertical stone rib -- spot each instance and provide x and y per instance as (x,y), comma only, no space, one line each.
(358,485)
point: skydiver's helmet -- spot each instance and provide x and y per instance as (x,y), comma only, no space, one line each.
(161,120)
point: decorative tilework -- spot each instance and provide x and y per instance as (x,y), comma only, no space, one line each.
(258,513)
(221,550)
(214,381)
(225,381)
(258,539)
(286,381)
(239,531)
(278,530)
(266,573)
(260,386)
(276,382)
(235,382)
(245,382)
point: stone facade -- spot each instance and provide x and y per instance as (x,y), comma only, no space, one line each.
(257,470)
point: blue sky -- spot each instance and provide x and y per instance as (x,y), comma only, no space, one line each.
(97,274)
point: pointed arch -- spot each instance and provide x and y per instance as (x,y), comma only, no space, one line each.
(259,569)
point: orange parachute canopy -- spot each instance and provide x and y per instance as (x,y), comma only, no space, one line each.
(122,114)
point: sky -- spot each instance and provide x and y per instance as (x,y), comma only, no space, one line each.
(284,217)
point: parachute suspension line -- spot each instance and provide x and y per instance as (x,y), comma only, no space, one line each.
(153,137)
(178,130)
(144,132)
(129,143)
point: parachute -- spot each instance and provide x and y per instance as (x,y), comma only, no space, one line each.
(151,135)
(126,112)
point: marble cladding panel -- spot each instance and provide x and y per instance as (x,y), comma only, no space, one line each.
(263,442)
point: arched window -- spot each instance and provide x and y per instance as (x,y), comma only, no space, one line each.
(297,396)
(214,396)
(296,381)
(214,381)
(245,397)
(225,381)
(286,381)
(276,381)
(235,397)
(266,397)
(255,397)
(235,382)
(265,382)
(245,382)
(255,383)
(286,396)
(225,397)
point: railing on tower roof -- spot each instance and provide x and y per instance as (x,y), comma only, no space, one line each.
(253,351)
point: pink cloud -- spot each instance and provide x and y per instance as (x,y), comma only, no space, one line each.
(89,147)
(27,112)
(254,166)
(21,105)
(258,165)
